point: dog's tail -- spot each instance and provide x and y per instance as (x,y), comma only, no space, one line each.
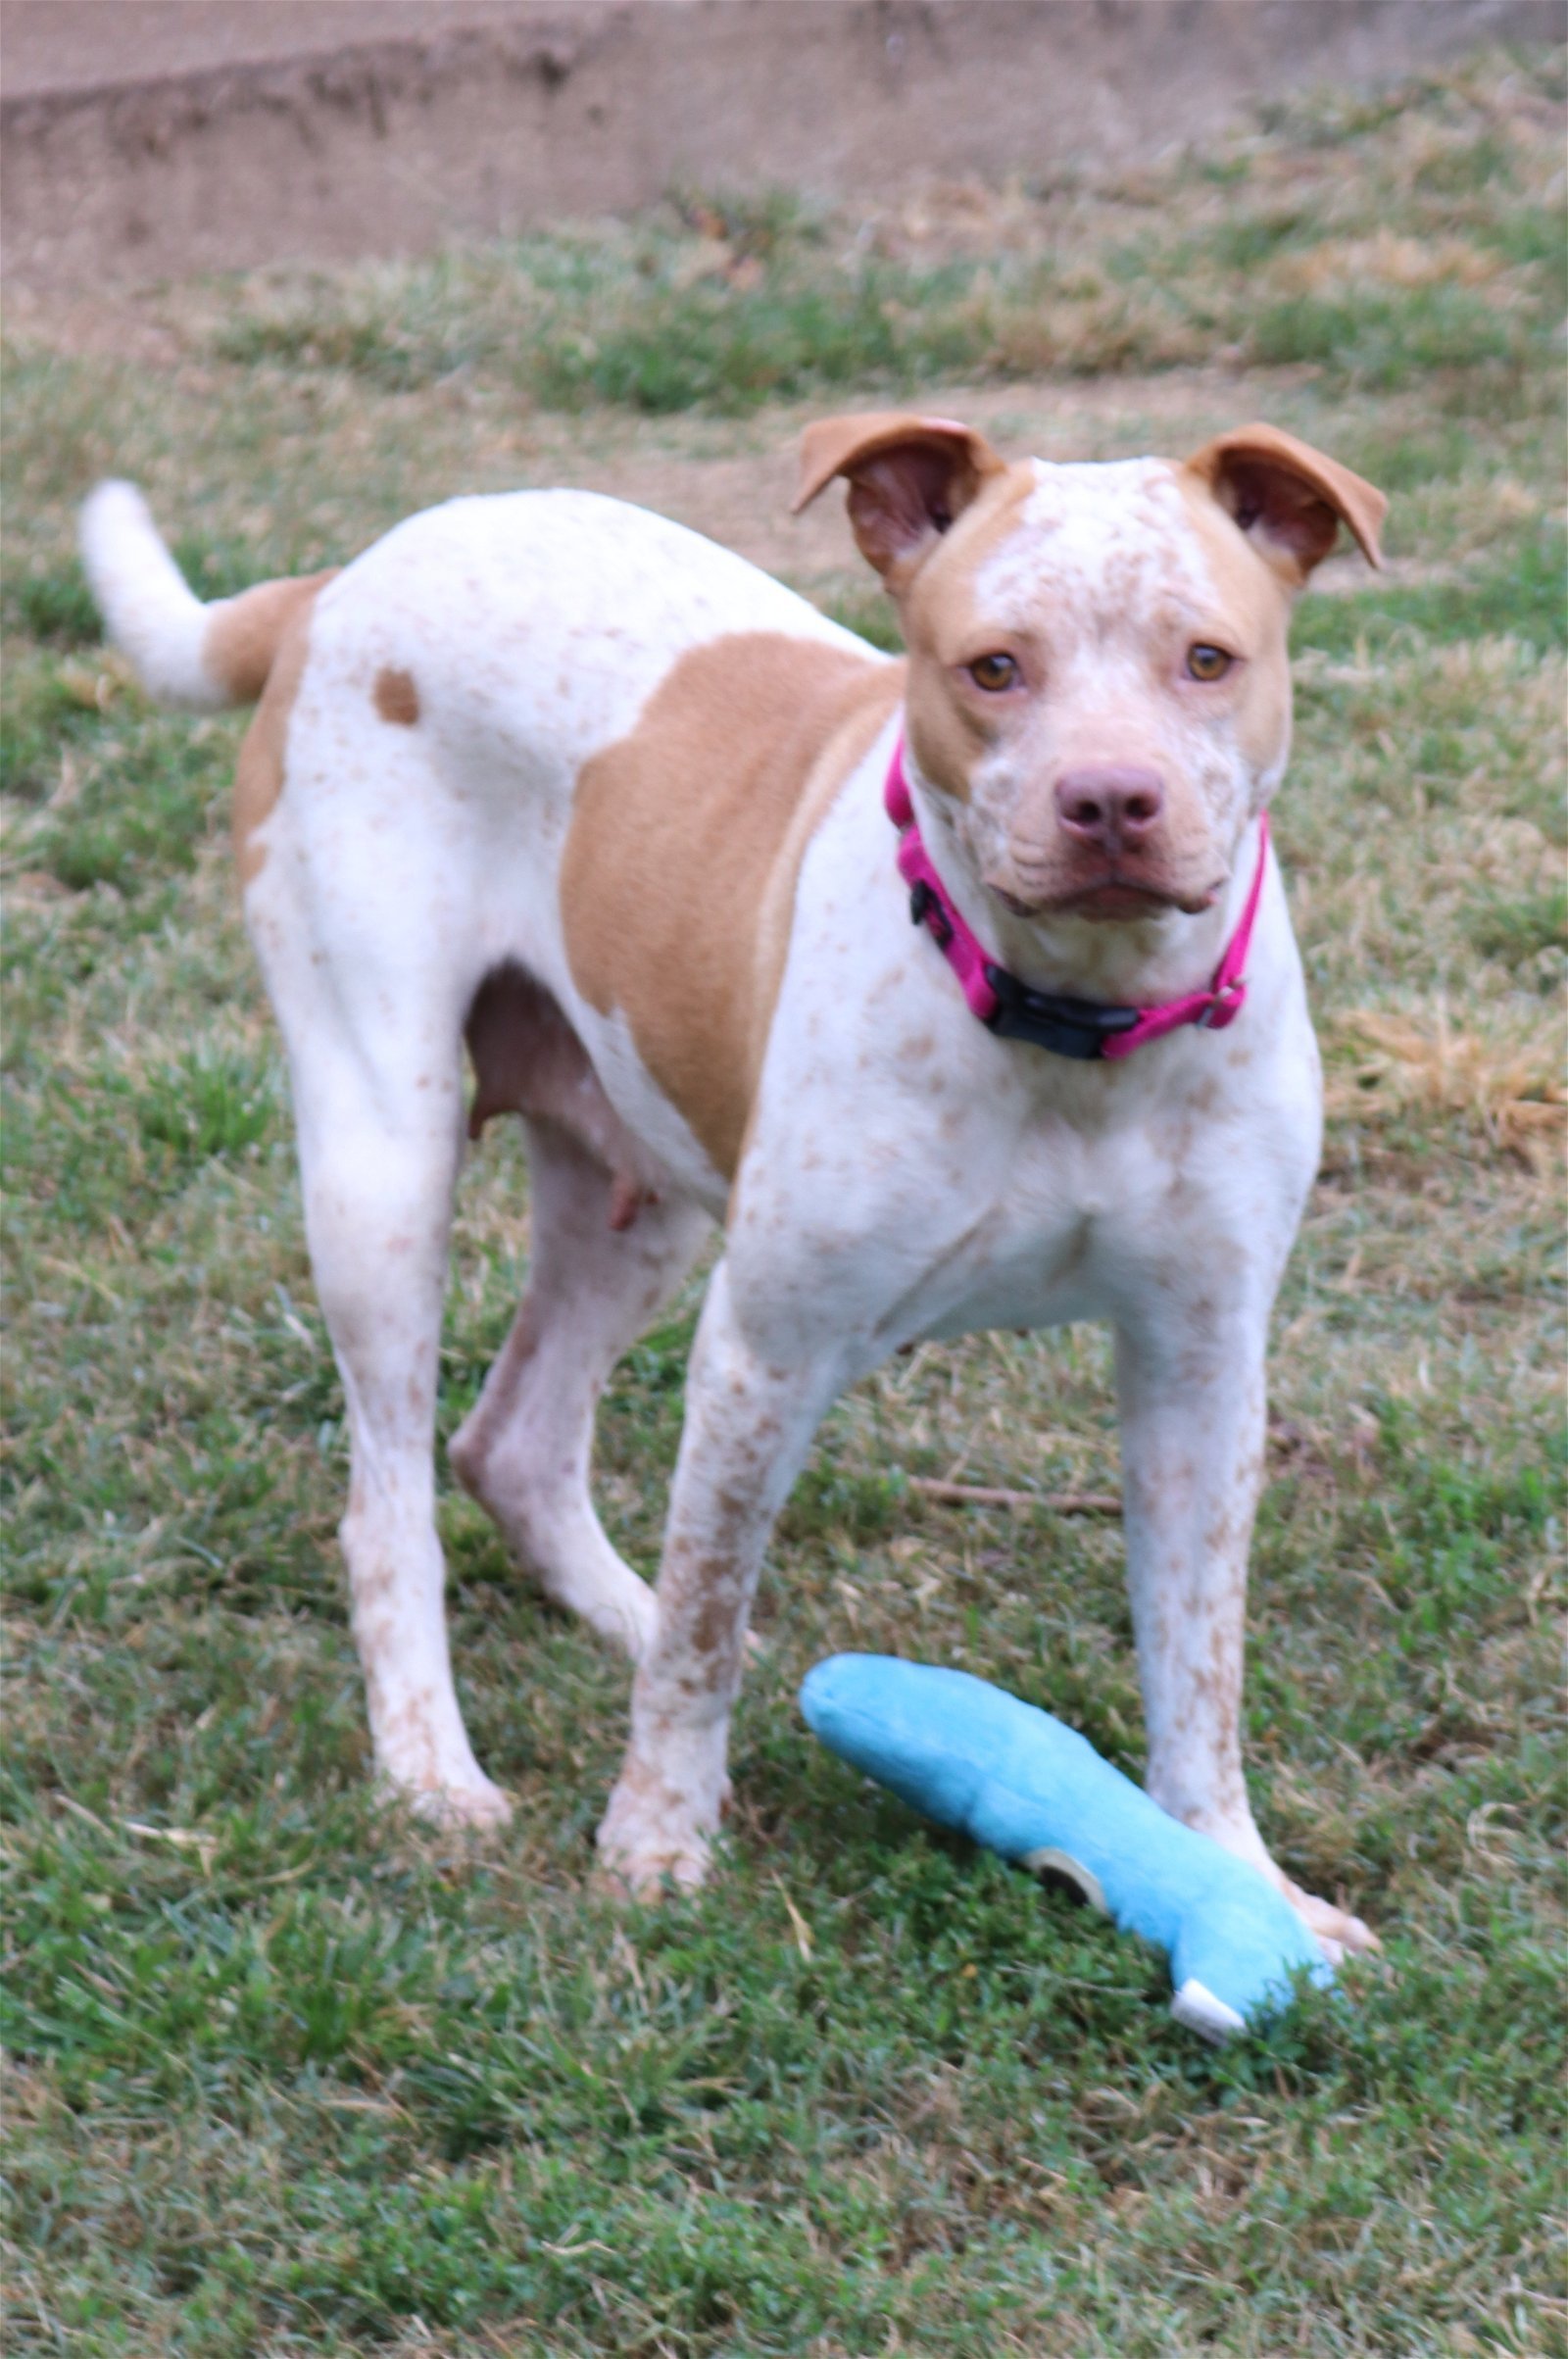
(201,657)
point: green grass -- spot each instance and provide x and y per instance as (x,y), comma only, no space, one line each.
(286,2074)
(1521,594)
(723,303)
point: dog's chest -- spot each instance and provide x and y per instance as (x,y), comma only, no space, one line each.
(1065,1220)
(1019,1194)
(916,1175)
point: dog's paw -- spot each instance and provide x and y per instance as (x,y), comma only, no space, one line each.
(475,1806)
(1338,1932)
(629,1619)
(653,1835)
(609,1597)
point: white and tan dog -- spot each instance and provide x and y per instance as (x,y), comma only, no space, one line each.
(549,774)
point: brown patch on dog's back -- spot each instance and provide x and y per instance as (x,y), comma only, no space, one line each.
(678,881)
(258,773)
(397,699)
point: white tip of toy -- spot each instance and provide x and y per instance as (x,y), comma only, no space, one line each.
(1195,2007)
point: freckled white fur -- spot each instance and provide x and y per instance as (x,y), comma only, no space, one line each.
(907,1174)
(1076,519)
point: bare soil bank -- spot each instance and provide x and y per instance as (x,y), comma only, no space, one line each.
(147,138)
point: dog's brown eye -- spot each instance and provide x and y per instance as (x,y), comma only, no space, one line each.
(992,672)
(1208,663)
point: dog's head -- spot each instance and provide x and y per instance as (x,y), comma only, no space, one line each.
(1098,685)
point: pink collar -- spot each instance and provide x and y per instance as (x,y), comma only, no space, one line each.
(1077,1028)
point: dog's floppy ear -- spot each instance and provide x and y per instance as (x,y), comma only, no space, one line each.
(908,477)
(1288,499)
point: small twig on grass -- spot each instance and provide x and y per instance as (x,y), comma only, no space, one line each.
(183,1838)
(977,1494)
(802,1930)
(68,1801)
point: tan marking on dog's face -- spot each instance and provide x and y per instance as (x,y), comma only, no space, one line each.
(258,773)
(949,731)
(245,633)
(678,879)
(1255,605)
(396,698)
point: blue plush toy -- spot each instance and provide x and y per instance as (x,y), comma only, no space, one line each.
(1014,1779)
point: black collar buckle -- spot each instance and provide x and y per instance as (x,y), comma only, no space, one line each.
(926,910)
(1075,1028)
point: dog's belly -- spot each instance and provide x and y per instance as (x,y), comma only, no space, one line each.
(666,1137)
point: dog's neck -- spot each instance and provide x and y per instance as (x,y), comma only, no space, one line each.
(1122,963)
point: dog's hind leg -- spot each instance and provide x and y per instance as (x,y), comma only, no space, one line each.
(377,1093)
(524,1450)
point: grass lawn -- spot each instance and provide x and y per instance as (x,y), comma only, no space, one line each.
(287,2075)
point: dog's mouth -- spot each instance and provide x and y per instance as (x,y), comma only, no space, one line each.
(1111,900)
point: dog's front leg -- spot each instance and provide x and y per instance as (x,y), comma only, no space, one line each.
(1191,1386)
(749,1423)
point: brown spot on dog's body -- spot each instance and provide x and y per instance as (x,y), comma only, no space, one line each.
(678,881)
(245,634)
(258,772)
(528,1061)
(397,700)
